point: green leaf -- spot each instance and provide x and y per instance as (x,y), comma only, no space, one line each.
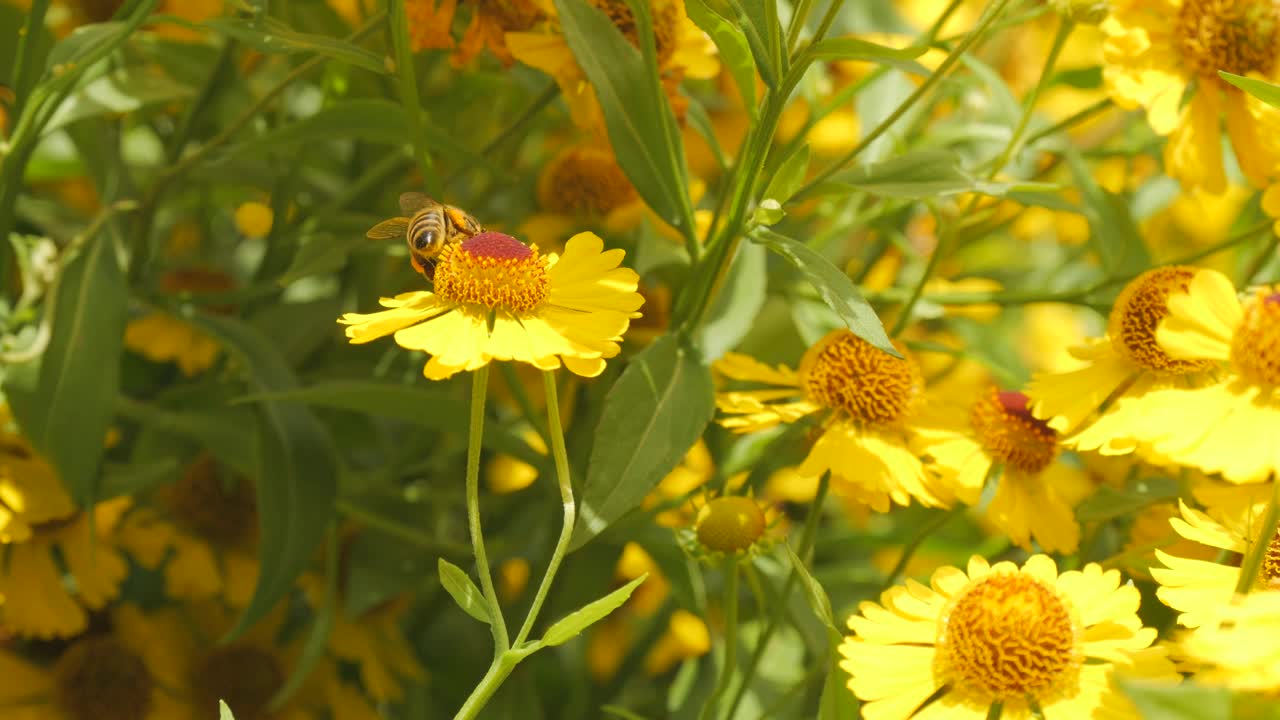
(66,402)
(231,434)
(788,178)
(120,92)
(652,415)
(1108,502)
(463,591)
(84,41)
(297,481)
(735,53)
(813,592)
(369,119)
(136,477)
(269,35)
(434,407)
(1267,92)
(1162,701)
(833,286)
(852,48)
(918,174)
(571,625)
(733,311)
(754,19)
(642,128)
(1112,230)
(224,712)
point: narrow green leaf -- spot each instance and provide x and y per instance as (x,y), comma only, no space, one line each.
(1267,92)
(463,591)
(84,41)
(297,481)
(641,125)
(66,402)
(1163,701)
(269,35)
(317,643)
(231,434)
(136,477)
(1112,230)
(574,623)
(851,48)
(814,593)
(750,16)
(919,174)
(833,286)
(122,91)
(224,712)
(652,415)
(735,53)
(788,178)
(733,311)
(837,702)
(1108,502)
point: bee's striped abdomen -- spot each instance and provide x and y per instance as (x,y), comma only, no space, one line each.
(426,230)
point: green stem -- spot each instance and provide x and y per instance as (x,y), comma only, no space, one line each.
(1266,532)
(408,77)
(566,497)
(798,19)
(1255,267)
(23,79)
(1011,149)
(479,386)
(730,640)
(935,523)
(1067,122)
(489,684)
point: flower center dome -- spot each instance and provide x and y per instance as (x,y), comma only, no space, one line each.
(1141,306)
(666,24)
(244,676)
(210,504)
(584,180)
(98,678)
(844,372)
(1239,36)
(1255,347)
(493,270)
(1269,573)
(1009,432)
(729,524)
(1009,636)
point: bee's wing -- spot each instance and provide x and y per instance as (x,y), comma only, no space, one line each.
(392,229)
(412,202)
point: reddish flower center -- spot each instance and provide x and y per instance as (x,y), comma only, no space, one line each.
(493,270)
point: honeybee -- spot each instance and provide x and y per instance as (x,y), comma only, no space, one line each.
(430,226)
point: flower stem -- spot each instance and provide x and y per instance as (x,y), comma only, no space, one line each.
(1262,541)
(502,666)
(730,639)
(399,26)
(566,497)
(479,386)
(935,523)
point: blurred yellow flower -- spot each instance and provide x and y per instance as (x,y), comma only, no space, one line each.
(253,219)
(429,23)
(161,337)
(496,298)
(491,20)
(1241,648)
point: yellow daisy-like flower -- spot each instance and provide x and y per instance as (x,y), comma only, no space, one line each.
(1241,648)
(1035,493)
(868,401)
(1199,589)
(496,298)
(203,530)
(40,527)
(1125,364)
(1159,52)
(1024,637)
(683,50)
(1228,426)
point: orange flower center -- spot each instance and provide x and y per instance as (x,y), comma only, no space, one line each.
(1239,36)
(494,270)
(1255,347)
(1011,434)
(1141,306)
(584,180)
(846,373)
(218,508)
(1269,573)
(98,678)
(244,676)
(1008,636)
(729,524)
(666,24)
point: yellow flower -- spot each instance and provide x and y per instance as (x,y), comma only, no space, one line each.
(731,526)
(161,337)
(1152,531)
(496,298)
(867,400)
(253,219)
(1002,634)
(1048,332)
(1159,52)
(42,531)
(505,474)
(1035,492)
(1241,649)
(1121,369)
(429,23)
(1228,426)
(203,530)
(491,20)
(1197,588)
(683,50)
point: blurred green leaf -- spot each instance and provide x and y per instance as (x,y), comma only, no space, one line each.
(1267,92)
(571,625)
(652,415)
(1163,701)
(119,92)
(788,178)
(733,311)
(298,478)
(918,174)
(84,41)
(269,35)
(851,48)
(814,594)
(762,38)
(463,591)
(735,53)
(838,702)
(66,402)
(136,477)
(1108,502)
(833,286)
(224,712)
(230,434)
(1112,231)
(641,126)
